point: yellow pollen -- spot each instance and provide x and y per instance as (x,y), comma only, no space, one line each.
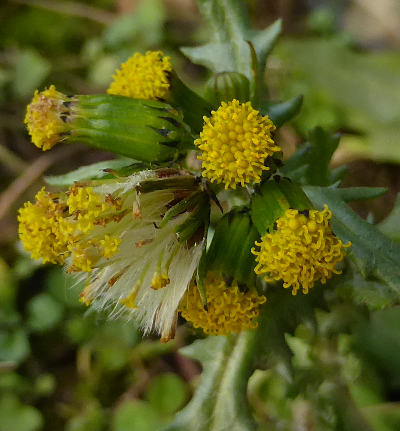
(86,205)
(159,281)
(81,260)
(43,118)
(71,227)
(110,246)
(301,251)
(312,226)
(84,296)
(293,223)
(43,230)
(228,309)
(143,77)
(234,144)
(129,301)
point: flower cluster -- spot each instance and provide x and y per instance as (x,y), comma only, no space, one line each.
(228,309)
(138,237)
(44,118)
(301,250)
(234,144)
(43,229)
(143,77)
(56,227)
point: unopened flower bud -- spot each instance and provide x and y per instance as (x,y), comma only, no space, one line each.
(145,130)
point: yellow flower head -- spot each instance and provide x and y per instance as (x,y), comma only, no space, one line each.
(109,246)
(234,144)
(143,77)
(228,309)
(87,206)
(301,250)
(43,230)
(52,228)
(159,280)
(44,118)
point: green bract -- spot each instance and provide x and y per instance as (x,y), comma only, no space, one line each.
(142,129)
(273,198)
(229,251)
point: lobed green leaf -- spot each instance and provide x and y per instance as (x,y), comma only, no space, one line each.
(84,173)
(230,32)
(310,163)
(391,225)
(281,112)
(374,254)
(220,402)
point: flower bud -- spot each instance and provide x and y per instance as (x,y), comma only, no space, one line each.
(144,130)
(226,86)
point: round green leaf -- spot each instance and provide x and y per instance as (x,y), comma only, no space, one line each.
(135,416)
(18,417)
(45,384)
(44,313)
(167,393)
(92,418)
(14,346)
(64,288)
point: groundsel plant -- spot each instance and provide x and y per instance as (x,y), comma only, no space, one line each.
(155,235)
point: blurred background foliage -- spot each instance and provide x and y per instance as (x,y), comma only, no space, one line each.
(61,368)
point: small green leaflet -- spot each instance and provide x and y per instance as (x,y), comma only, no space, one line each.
(374,254)
(391,225)
(372,293)
(228,50)
(282,112)
(310,163)
(95,171)
(352,194)
(220,401)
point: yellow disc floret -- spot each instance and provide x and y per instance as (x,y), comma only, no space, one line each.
(86,205)
(44,118)
(159,281)
(228,309)
(143,77)
(43,230)
(109,246)
(234,144)
(130,300)
(82,260)
(71,227)
(301,250)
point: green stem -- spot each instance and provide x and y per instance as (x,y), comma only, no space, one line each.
(350,414)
